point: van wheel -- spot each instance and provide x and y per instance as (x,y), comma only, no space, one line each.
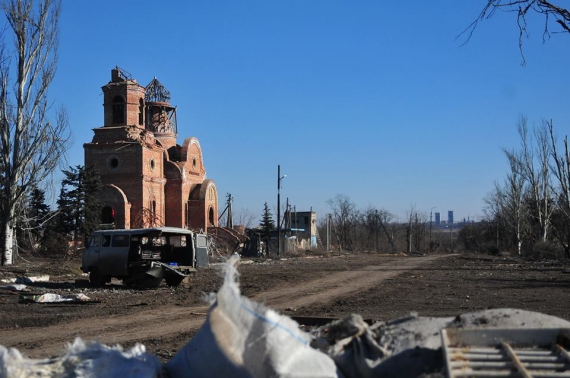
(148,282)
(97,279)
(173,279)
(154,283)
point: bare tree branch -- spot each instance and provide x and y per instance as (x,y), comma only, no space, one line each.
(523,9)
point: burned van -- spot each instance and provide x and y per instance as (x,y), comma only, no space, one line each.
(144,257)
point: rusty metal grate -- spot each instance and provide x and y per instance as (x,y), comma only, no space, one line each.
(506,352)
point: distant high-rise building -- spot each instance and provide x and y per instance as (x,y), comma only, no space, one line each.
(437,219)
(450,217)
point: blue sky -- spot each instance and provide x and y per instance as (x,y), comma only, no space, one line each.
(375,100)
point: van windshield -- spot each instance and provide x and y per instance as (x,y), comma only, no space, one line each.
(95,241)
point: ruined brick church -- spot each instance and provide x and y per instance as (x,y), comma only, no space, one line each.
(148,179)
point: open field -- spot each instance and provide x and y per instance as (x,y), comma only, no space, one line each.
(378,287)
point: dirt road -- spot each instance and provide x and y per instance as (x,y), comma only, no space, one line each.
(337,285)
(170,321)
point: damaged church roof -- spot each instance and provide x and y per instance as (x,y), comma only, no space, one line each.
(156,92)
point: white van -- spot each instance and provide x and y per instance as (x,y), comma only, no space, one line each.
(144,256)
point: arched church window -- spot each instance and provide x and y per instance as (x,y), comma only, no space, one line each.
(141,111)
(118,110)
(211,216)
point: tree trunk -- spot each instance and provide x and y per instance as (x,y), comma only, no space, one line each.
(390,237)
(8,250)
(409,239)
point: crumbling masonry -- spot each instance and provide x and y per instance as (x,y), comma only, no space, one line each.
(148,179)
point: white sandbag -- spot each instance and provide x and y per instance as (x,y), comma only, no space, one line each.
(91,360)
(241,338)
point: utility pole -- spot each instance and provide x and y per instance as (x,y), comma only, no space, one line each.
(329,220)
(295,219)
(430,214)
(376,230)
(279,178)
(287,219)
(278,208)
(230,220)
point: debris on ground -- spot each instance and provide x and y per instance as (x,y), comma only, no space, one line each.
(26,280)
(53,298)
(500,352)
(83,360)
(243,338)
(14,287)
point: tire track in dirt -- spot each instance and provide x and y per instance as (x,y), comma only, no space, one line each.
(169,321)
(338,284)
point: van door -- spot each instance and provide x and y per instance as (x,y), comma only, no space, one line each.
(91,253)
(113,258)
(201,247)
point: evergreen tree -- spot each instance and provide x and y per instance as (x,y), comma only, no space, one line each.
(78,203)
(38,211)
(67,206)
(91,205)
(38,214)
(266,225)
(32,218)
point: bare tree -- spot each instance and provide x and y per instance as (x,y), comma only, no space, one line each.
(384,218)
(561,169)
(532,163)
(344,215)
(147,218)
(510,200)
(244,217)
(492,214)
(410,216)
(31,146)
(362,231)
(523,9)
(372,223)
(419,231)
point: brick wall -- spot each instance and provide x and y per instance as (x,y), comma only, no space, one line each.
(142,184)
